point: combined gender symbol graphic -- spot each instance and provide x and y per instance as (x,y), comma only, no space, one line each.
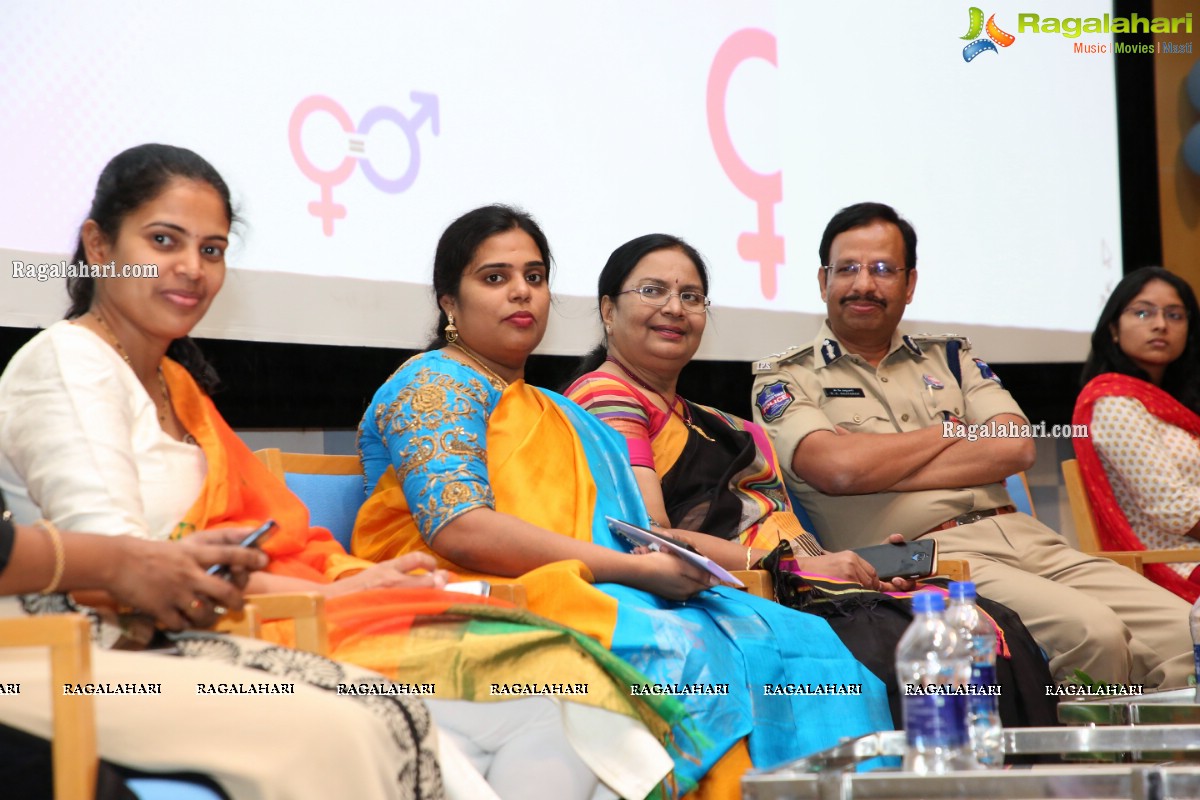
(326,209)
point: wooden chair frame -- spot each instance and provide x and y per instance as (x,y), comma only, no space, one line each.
(305,609)
(74,752)
(73,743)
(1089,540)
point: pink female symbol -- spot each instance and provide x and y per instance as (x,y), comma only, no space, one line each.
(324,209)
(763,246)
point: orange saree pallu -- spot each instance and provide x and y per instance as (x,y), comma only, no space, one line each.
(458,643)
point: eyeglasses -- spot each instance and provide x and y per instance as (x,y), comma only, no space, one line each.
(1148,313)
(880,271)
(692,302)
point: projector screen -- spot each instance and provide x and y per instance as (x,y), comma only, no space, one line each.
(351,136)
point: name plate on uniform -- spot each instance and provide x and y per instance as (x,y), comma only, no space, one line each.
(843,391)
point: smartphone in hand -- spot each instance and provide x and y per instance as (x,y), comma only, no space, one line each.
(254,539)
(907,560)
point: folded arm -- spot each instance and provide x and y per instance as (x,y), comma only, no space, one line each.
(966,463)
(840,463)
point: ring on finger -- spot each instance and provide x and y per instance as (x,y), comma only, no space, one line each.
(195,605)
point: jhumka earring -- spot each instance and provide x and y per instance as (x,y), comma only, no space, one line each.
(451,330)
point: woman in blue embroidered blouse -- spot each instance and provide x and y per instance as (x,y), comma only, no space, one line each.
(494,478)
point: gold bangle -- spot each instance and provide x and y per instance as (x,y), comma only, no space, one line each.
(749,555)
(60,557)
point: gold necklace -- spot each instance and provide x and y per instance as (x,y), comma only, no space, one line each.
(162,382)
(479,363)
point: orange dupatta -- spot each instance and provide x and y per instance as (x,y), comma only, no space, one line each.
(240,491)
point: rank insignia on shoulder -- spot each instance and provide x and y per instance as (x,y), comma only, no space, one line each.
(771,363)
(830,351)
(987,372)
(773,399)
(919,339)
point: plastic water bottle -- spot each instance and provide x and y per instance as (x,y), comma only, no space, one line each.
(1194,620)
(930,654)
(983,710)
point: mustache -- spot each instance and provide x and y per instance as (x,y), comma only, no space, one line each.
(864,298)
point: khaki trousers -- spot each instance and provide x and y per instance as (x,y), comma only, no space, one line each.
(1086,612)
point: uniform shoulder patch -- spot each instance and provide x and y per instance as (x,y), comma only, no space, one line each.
(987,372)
(773,399)
(771,363)
(936,338)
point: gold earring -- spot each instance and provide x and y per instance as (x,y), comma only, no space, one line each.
(451,330)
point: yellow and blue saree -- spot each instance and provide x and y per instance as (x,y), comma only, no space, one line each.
(439,440)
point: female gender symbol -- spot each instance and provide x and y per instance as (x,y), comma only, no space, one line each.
(325,209)
(764,247)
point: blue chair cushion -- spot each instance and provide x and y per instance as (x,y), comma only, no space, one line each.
(1020,497)
(333,501)
(169,789)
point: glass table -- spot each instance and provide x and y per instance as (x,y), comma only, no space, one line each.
(1148,762)
(1171,707)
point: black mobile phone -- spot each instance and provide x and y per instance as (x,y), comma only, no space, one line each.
(254,539)
(908,560)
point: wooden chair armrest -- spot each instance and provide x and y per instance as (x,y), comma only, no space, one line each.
(305,609)
(247,623)
(74,742)
(1172,556)
(511,592)
(1126,558)
(956,569)
(758,582)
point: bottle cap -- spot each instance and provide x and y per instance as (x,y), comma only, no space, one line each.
(962,590)
(925,602)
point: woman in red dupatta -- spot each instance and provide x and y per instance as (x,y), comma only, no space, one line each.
(1140,402)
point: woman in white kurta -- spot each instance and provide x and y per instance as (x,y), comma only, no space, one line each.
(92,436)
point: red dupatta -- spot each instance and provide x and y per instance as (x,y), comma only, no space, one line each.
(1113,529)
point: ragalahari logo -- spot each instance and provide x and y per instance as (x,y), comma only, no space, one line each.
(995,36)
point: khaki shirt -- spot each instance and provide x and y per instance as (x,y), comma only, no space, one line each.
(819,386)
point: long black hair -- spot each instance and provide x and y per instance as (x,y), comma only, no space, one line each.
(132,179)
(457,247)
(1182,377)
(620,264)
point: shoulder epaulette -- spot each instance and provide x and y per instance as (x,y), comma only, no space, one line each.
(934,338)
(772,362)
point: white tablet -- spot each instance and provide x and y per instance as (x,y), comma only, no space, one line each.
(641,536)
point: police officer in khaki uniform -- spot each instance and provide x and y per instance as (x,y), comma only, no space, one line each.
(858,419)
